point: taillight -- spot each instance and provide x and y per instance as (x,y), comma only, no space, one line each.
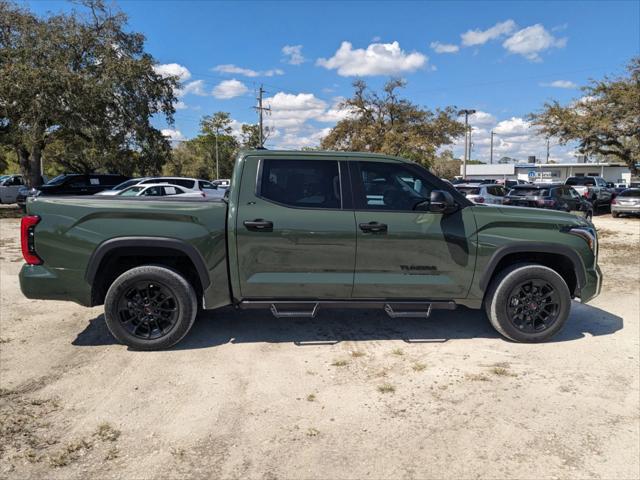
(479,199)
(546,203)
(586,194)
(27,239)
(613,201)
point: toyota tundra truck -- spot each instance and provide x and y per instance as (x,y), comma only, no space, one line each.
(299,232)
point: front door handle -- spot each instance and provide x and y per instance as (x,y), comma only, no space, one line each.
(373,227)
(258,225)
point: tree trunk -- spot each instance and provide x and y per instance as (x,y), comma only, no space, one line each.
(35,177)
(24,162)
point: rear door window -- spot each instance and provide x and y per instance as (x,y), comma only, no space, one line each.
(301,183)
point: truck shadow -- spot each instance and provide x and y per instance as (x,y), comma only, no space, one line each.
(330,327)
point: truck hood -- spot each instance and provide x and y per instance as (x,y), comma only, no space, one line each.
(526,216)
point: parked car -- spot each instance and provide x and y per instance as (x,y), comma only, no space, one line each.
(9,186)
(286,240)
(627,202)
(159,190)
(486,193)
(198,185)
(222,182)
(594,189)
(509,184)
(80,184)
(553,196)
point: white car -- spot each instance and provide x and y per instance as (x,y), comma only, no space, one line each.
(490,193)
(9,186)
(194,184)
(159,190)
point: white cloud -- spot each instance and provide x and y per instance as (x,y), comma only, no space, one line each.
(229,89)
(482,118)
(173,70)
(336,112)
(173,135)
(377,59)
(196,87)
(444,47)
(292,110)
(180,105)
(293,54)
(560,84)
(480,37)
(513,127)
(530,41)
(247,72)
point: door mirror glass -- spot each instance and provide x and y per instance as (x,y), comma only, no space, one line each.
(442,202)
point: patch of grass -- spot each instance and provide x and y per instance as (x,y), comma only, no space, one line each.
(4,340)
(107,432)
(357,354)
(311,397)
(112,454)
(313,432)
(418,367)
(70,453)
(386,388)
(502,372)
(477,377)
(60,459)
(397,351)
(340,363)
(178,452)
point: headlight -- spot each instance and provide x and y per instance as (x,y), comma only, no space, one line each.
(589,235)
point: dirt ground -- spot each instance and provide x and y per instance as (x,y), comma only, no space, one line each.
(348,395)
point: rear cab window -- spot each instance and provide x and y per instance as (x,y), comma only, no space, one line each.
(301,183)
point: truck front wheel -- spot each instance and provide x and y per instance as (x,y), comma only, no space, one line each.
(150,307)
(528,303)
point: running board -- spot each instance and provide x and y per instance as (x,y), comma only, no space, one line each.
(309,308)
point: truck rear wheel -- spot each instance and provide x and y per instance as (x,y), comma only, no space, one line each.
(528,303)
(150,307)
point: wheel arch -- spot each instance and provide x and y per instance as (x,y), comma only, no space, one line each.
(560,258)
(109,258)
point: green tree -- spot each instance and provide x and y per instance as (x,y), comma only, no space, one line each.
(446,166)
(385,123)
(85,82)
(605,121)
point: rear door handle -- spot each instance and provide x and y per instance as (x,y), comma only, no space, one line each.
(373,227)
(258,225)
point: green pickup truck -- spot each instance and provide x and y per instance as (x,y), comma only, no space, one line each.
(302,231)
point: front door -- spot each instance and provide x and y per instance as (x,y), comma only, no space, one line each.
(404,253)
(295,230)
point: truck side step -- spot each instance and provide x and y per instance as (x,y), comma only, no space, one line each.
(309,308)
(293,313)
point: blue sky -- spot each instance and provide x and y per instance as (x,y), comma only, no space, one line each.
(503,59)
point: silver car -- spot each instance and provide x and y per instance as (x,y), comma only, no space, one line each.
(627,202)
(491,193)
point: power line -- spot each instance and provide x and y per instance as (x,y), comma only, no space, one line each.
(260,109)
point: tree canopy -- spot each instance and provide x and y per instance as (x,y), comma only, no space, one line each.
(605,121)
(80,89)
(385,123)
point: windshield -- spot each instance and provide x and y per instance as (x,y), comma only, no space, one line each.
(581,181)
(57,180)
(126,184)
(468,190)
(529,192)
(131,192)
(630,193)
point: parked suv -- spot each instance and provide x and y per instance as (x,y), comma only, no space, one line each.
(490,193)
(80,184)
(208,188)
(9,186)
(549,195)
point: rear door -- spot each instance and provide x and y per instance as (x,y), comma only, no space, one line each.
(404,253)
(295,229)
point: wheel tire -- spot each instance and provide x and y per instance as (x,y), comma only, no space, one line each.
(589,216)
(172,286)
(501,289)
(615,214)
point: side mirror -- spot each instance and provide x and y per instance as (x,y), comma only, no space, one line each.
(442,202)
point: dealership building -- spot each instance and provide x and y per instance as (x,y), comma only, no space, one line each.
(549,172)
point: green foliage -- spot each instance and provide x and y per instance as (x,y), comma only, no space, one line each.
(446,166)
(605,121)
(79,90)
(385,123)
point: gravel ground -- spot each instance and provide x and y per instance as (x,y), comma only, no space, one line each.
(347,395)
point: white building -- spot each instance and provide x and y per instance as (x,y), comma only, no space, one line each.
(552,172)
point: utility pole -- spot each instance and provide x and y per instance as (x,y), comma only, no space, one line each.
(491,155)
(260,109)
(547,149)
(466,113)
(217,154)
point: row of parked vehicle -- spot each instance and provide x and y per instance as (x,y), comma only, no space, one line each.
(14,190)
(579,195)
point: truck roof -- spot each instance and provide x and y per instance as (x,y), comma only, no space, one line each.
(309,154)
